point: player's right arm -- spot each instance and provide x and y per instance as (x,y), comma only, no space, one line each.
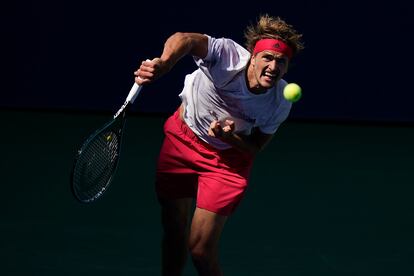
(176,46)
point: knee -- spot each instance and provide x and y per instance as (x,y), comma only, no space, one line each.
(201,254)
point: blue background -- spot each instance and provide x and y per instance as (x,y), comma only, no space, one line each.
(329,199)
(81,55)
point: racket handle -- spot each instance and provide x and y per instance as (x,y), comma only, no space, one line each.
(133,93)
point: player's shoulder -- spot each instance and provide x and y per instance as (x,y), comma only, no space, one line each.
(281,84)
(279,93)
(225,44)
(278,89)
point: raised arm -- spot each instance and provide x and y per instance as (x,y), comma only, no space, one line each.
(176,46)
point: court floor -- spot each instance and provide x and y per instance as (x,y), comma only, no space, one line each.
(325,199)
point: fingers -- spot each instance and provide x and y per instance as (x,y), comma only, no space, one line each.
(215,129)
(145,72)
(221,130)
(150,70)
(228,126)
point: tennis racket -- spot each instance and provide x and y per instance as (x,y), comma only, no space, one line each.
(97,159)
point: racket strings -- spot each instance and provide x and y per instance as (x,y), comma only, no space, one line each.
(95,166)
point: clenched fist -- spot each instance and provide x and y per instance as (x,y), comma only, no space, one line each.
(221,129)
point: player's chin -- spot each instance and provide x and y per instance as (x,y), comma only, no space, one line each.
(268,83)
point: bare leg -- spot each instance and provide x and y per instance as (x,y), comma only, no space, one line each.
(206,228)
(175,220)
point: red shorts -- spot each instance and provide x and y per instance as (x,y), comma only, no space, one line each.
(189,167)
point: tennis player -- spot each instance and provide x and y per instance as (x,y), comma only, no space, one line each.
(231,107)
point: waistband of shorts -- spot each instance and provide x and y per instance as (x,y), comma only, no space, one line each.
(187,131)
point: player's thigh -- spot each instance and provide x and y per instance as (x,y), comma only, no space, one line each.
(175,213)
(206,228)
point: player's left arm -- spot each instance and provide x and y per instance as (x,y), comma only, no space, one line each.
(252,144)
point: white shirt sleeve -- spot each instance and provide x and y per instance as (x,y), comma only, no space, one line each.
(224,60)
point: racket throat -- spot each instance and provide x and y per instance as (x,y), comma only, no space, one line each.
(122,111)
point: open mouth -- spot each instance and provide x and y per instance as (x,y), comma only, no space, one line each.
(270,76)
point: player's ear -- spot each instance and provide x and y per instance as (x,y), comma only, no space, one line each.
(252,60)
(287,65)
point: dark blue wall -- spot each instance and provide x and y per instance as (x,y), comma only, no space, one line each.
(80,55)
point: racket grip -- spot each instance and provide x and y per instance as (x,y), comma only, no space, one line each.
(133,93)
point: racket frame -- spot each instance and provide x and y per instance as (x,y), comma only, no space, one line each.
(116,123)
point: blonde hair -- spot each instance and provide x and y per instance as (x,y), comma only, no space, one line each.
(273,27)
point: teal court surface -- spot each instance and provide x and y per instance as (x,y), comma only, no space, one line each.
(324,199)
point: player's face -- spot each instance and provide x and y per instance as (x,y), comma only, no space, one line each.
(268,67)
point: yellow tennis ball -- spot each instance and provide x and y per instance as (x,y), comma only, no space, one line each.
(292,92)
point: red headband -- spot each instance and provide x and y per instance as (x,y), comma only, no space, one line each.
(274,45)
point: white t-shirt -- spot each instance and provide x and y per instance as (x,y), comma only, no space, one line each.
(218,86)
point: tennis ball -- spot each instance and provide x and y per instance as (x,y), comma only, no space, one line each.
(292,92)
